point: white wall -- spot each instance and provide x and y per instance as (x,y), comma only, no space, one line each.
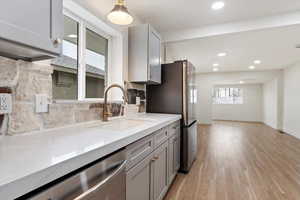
(291,116)
(270,103)
(205,83)
(250,110)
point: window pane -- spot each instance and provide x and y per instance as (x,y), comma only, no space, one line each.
(228,96)
(64,77)
(96,63)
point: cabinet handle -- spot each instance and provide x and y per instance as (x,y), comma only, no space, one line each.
(57,41)
(154,158)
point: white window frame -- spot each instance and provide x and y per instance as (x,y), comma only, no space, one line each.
(83,25)
(234,102)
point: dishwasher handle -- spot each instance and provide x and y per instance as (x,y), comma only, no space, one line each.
(102,183)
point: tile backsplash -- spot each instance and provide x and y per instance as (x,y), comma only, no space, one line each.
(26,79)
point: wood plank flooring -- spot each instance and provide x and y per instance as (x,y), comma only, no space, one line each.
(241,161)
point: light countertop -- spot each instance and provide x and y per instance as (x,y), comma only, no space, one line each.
(32,160)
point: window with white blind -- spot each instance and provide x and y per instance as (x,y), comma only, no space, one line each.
(227,96)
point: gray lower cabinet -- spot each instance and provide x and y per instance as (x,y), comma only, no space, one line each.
(160,170)
(139,181)
(150,174)
(174,155)
(31,29)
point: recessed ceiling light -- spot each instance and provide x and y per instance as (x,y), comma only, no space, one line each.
(222,54)
(72,36)
(252,67)
(216,64)
(257,62)
(242,82)
(215,69)
(217,5)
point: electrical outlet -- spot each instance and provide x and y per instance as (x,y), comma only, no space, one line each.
(41,103)
(5,103)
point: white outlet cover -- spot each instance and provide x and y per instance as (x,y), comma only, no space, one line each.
(41,103)
(5,103)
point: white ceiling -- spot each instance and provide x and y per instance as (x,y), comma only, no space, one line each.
(274,47)
(169,15)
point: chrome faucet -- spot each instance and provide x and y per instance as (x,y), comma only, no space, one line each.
(105,111)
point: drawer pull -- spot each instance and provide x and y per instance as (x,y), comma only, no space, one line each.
(175,127)
(154,158)
(57,41)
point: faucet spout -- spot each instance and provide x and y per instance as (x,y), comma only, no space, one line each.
(105,111)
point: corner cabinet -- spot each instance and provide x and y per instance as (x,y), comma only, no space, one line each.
(30,29)
(159,160)
(144,52)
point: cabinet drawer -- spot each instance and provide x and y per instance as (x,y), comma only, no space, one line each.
(139,150)
(173,128)
(160,137)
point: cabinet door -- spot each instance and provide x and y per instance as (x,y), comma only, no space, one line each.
(177,151)
(154,72)
(139,181)
(171,170)
(160,167)
(32,23)
(174,156)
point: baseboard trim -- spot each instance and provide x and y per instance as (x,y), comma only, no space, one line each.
(253,122)
(276,129)
(204,124)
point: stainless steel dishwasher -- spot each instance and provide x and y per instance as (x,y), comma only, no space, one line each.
(104,180)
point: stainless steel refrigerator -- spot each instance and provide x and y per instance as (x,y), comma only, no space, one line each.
(177,95)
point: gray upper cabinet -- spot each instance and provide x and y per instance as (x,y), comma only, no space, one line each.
(31,29)
(144,55)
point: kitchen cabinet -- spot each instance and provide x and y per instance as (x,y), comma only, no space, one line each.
(174,155)
(160,171)
(153,163)
(148,180)
(144,51)
(139,181)
(30,29)
(137,151)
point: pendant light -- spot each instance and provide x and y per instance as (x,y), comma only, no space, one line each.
(119,14)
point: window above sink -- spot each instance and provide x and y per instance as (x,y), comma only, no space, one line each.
(80,73)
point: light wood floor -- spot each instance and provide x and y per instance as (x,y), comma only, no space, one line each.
(241,161)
